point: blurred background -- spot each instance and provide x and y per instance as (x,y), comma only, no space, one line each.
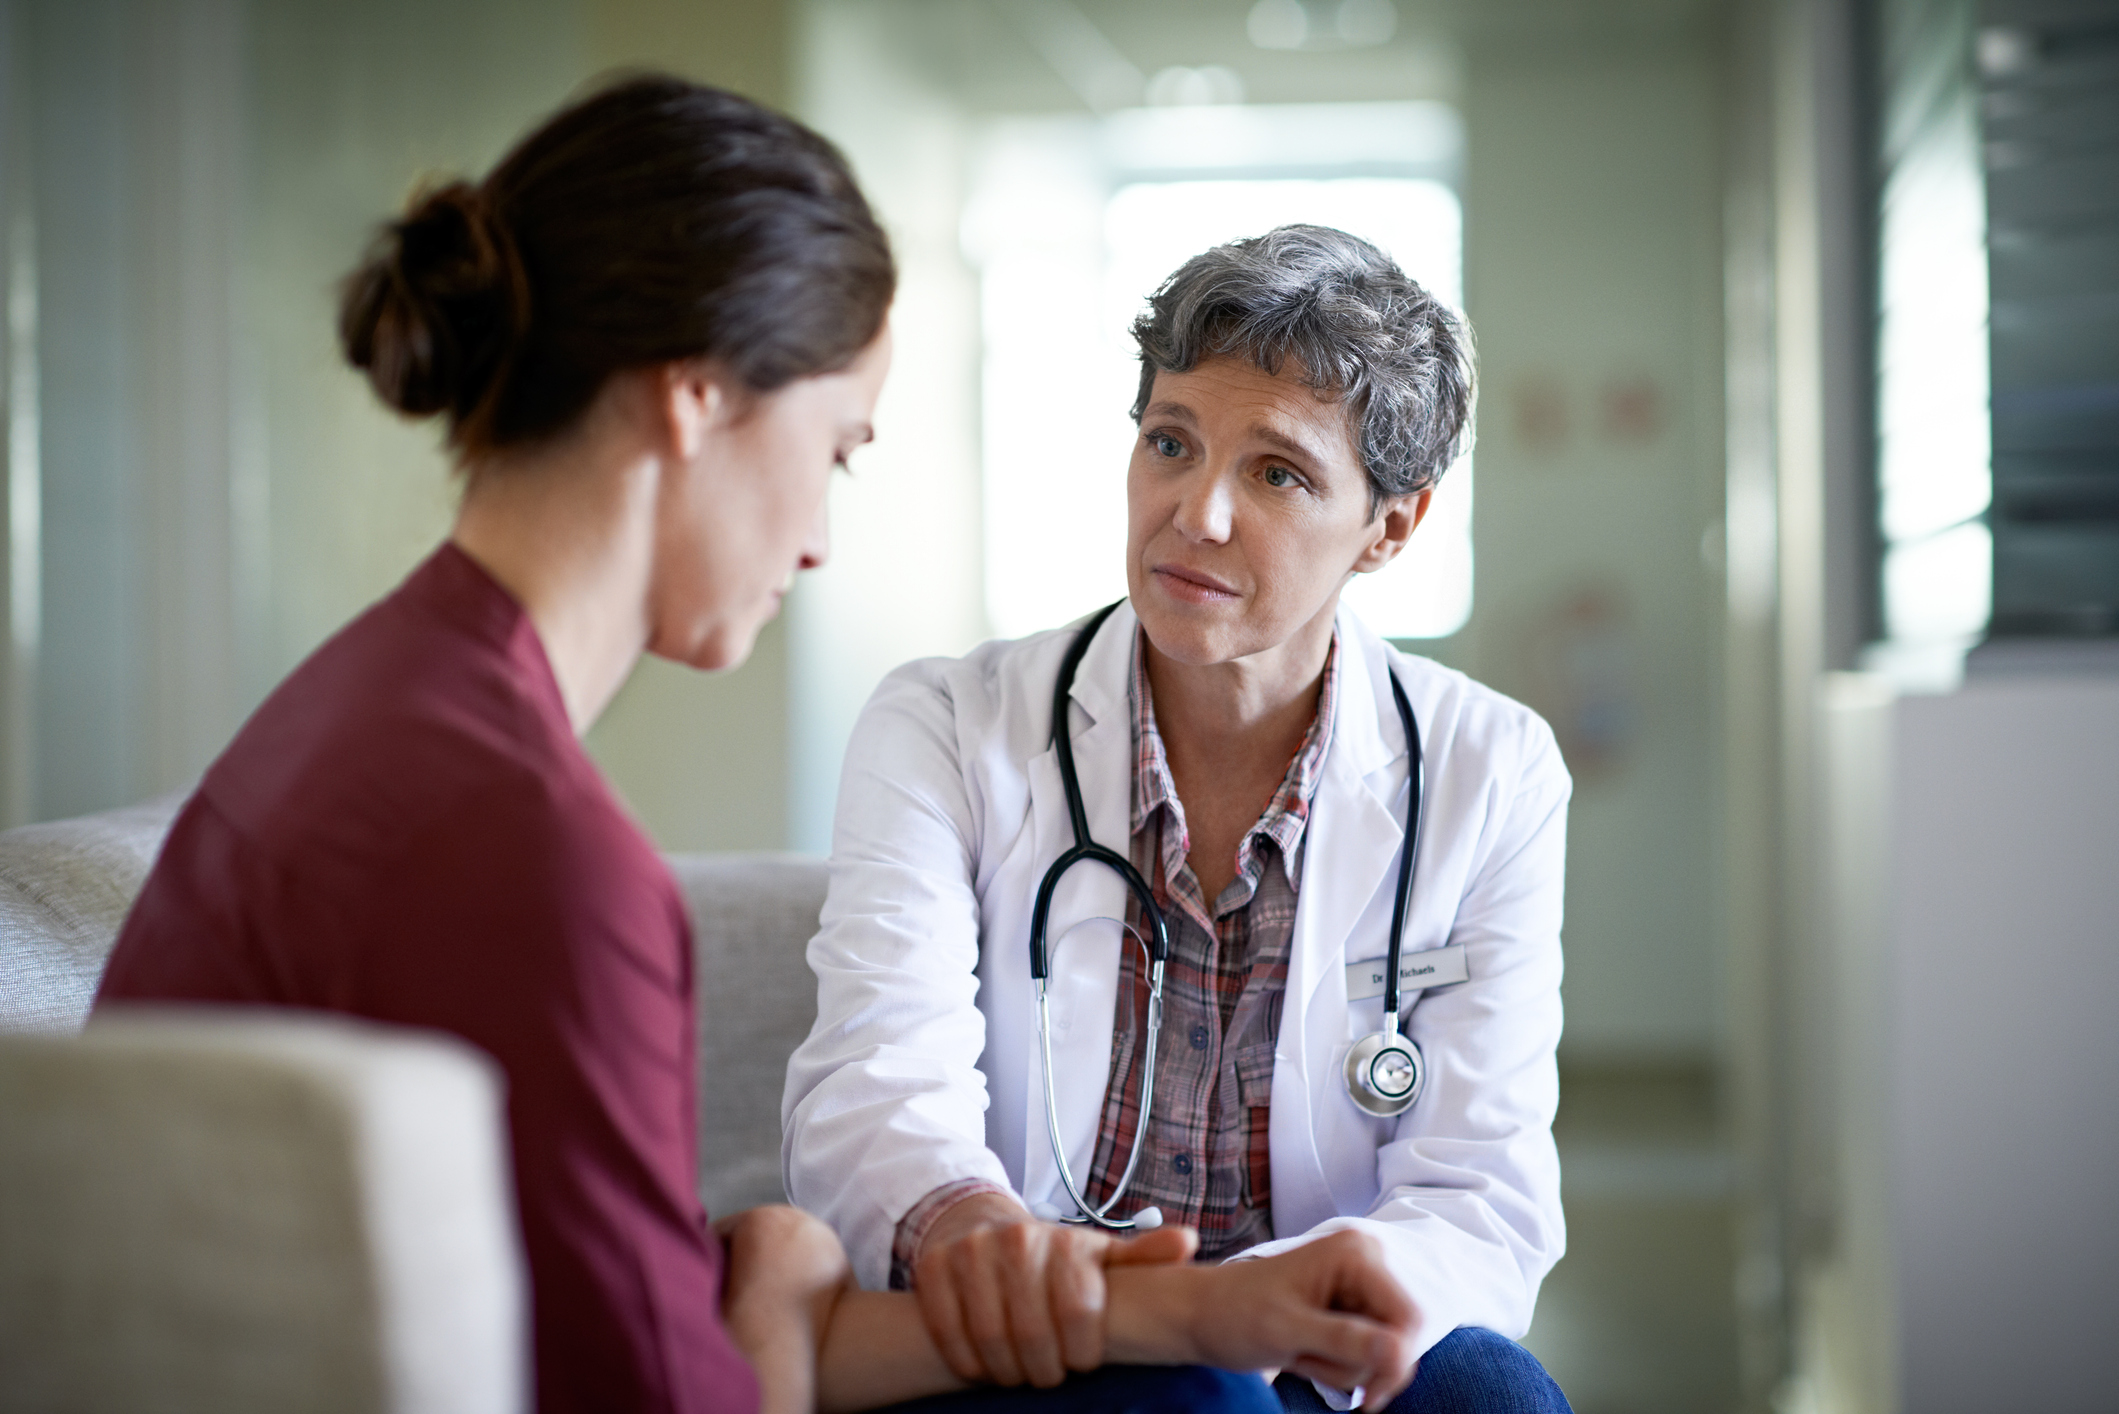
(1794,508)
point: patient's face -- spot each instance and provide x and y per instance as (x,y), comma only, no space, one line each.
(733,528)
(1248,509)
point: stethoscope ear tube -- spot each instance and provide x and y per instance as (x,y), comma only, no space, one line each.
(1416,783)
(1157,947)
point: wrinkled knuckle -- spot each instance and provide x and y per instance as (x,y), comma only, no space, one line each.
(961,1260)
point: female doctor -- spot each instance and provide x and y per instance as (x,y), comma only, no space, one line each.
(1206,1042)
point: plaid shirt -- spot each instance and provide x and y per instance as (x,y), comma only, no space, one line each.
(1206,1162)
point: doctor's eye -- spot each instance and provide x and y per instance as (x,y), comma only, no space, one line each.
(1280,476)
(1165,444)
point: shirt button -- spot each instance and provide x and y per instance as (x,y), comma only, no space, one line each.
(1199,1038)
(1182,1163)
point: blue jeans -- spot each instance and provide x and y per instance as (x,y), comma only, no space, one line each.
(1470,1371)
(1115,1389)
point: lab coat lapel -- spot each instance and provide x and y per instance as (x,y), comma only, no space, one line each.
(1084,963)
(1349,859)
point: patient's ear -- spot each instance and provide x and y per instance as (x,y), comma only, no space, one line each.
(693,402)
(1393,527)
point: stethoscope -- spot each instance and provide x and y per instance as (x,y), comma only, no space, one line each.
(1384,1070)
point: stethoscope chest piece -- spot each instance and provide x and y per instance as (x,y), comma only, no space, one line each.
(1384,1074)
(1384,1070)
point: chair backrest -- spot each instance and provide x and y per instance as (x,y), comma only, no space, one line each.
(244,1209)
(752,918)
(65,888)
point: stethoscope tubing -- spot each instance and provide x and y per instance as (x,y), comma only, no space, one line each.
(1415,814)
(1087,850)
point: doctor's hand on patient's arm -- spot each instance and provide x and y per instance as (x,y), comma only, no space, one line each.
(1010,1299)
(1328,1310)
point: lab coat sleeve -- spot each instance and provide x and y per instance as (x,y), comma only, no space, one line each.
(1468,1206)
(885,1101)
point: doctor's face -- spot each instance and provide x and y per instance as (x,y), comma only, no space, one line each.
(1248,509)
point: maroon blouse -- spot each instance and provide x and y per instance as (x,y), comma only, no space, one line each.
(408,830)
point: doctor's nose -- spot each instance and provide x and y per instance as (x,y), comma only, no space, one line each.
(1206,510)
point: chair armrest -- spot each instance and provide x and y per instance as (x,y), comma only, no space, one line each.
(254,1209)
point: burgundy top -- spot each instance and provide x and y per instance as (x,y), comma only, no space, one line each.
(408,830)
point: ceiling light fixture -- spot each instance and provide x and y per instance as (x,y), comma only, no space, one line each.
(1321,24)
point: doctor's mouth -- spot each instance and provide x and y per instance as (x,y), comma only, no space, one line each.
(1193,586)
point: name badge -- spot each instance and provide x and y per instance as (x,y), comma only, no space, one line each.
(1437,967)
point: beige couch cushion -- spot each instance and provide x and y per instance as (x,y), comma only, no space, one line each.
(246,1210)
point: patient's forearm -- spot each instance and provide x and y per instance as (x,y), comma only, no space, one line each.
(1153,1312)
(876,1351)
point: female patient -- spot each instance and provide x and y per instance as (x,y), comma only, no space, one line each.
(652,332)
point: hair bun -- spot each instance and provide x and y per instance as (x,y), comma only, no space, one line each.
(439,306)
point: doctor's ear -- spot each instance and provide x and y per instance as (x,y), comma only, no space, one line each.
(1392,528)
(694,399)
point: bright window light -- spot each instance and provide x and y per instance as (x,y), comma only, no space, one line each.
(1068,251)
(1934,450)
(1941,588)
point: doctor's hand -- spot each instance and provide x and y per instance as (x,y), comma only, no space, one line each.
(1011,1299)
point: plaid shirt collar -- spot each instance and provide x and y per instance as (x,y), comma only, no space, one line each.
(1285,815)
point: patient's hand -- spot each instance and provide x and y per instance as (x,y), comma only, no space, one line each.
(1328,1310)
(786,1272)
(1009,1298)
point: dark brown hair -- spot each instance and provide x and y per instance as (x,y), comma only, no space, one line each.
(654,220)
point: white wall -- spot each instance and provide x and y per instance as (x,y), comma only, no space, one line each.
(1960,1096)
(1592,277)
(2004,1052)
(904,579)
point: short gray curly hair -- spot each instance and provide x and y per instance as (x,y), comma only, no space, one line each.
(1355,327)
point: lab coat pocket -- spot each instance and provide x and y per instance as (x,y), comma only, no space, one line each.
(1254,1090)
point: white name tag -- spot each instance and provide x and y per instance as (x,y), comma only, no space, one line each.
(1437,967)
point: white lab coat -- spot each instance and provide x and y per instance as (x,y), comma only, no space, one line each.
(923,1068)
